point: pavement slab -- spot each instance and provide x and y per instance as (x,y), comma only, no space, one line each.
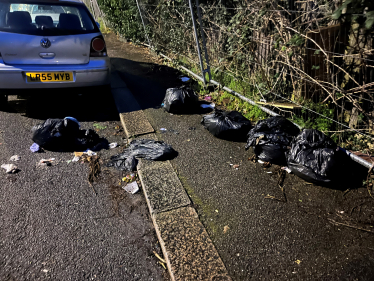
(135,123)
(187,247)
(163,189)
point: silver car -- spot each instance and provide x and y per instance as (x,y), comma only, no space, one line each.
(50,44)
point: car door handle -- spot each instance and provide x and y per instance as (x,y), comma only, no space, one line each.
(47,55)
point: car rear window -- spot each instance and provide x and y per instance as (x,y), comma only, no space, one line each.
(45,19)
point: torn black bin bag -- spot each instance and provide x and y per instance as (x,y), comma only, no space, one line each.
(316,158)
(147,149)
(271,138)
(88,139)
(56,134)
(65,135)
(180,100)
(227,125)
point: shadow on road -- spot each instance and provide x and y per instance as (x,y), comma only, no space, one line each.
(85,104)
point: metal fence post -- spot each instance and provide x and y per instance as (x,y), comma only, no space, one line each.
(204,41)
(197,42)
(145,30)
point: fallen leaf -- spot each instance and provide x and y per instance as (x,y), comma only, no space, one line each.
(225,229)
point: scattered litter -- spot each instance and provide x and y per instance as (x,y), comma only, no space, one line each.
(227,125)
(78,154)
(163,130)
(45,270)
(235,166)
(75,159)
(225,229)
(69,161)
(208,98)
(132,187)
(144,148)
(46,162)
(288,170)
(90,152)
(270,139)
(10,168)
(34,147)
(216,211)
(341,212)
(180,100)
(188,140)
(260,161)
(129,178)
(269,172)
(14,158)
(113,145)
(316,158)
(211,105)
(298,261)
(117,127)
(185,79)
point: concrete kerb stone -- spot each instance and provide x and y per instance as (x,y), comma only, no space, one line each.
(187,248)
(162,189)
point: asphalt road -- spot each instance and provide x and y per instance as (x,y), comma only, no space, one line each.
(310,233)
(52,225)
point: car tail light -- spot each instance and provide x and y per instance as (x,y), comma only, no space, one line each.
(98,48)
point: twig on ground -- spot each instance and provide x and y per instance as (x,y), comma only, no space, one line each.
(350,226)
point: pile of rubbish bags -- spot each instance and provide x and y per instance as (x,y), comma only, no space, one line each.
(65,135)
(144,148)
(309,154)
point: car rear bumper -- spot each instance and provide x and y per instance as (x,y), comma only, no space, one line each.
(95,73)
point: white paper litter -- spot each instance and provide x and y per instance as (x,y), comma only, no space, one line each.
(288,170)
(90,152)
(185,79)
(75,159)
(212,105)
(132,187)
(261,162)
(113,145)
(14,158)
(9,168)
(163,129)
(46,162)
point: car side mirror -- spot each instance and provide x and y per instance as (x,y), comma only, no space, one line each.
(98,25)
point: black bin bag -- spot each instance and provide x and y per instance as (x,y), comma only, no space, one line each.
(65,135)
(316,158)
(271,138)
(180,100)
(56,134)
(144,148)
(227,125)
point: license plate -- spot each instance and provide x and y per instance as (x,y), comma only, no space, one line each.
(46,77)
